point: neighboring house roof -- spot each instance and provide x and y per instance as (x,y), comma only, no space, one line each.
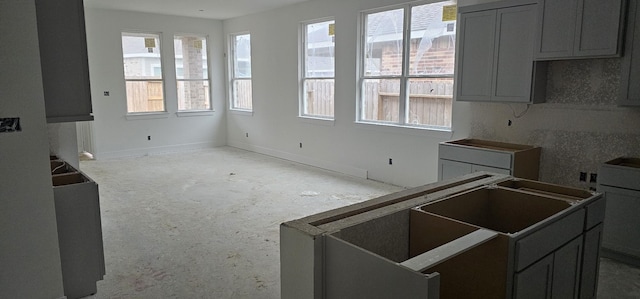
(426,22)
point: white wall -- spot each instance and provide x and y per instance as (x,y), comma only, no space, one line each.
(115,135)
(343,145)
(578,128)
(29,252)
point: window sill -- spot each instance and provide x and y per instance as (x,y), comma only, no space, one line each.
(147,115)
(317,120)
(241,112)
(445,134)
(187,113)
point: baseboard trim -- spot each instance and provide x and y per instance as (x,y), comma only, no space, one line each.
(327,165)
(138,152)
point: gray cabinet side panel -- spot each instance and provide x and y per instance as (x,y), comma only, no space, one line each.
(300,264)
(78,233)
(514,55)
(475,55)
(351,272)
(566,270)
(556,27)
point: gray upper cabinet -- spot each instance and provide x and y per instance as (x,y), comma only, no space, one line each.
(63,58)
(629,87)
(579,29)
(495,54)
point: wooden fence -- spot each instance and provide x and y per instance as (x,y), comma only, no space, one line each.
(320,94)
(242,95)
(147,96)
(144,96)
(429,101)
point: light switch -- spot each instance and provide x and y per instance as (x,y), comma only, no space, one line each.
(10,124)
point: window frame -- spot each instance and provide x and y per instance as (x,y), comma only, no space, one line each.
(135,33)
(404,76)
(232,72)
(302,91)
(208,89)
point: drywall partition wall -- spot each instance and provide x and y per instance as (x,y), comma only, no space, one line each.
(114,133)
(342,145)
(29,252)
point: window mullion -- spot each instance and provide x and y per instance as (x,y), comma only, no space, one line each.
(406,51)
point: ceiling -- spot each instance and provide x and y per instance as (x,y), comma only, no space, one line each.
(210,9)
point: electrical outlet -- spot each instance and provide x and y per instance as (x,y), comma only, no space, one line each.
(390,161)
(593,177)
(300,144)
(149,137)
(106,93)
(247,134)
(583,176)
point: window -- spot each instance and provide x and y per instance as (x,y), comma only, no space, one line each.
(143,72)
(192,72)
(318,70)
(406,76)
(241,98)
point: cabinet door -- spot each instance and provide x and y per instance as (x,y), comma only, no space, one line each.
(513,67)
(535,282)
(598,28)
(63,57)
(448,169)
(622,224)
(556,28)
(591,263)
(629,89)
(475,55)
(567,263)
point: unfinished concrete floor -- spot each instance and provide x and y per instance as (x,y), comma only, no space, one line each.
(205,224)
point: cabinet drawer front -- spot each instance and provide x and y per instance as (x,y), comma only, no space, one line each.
(476,156)
(547,239)
(475,168)
(619,176)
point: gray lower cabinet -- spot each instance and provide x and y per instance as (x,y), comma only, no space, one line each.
(482,235)
(629,87)
(555,276)
(579,29)
(619,181)
(79,230)
(495,54)
(460,157)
